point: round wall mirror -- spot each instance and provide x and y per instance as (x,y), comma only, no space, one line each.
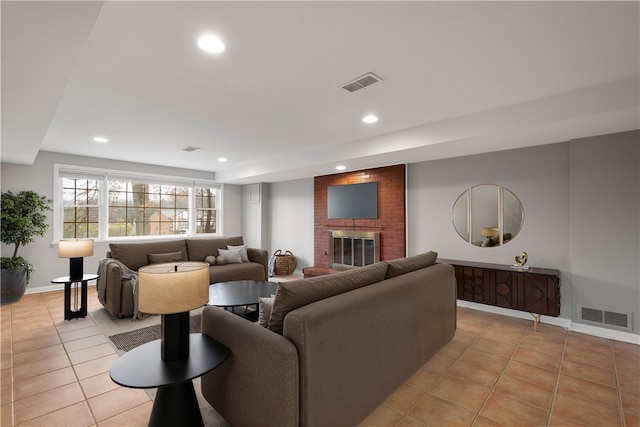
(487,215)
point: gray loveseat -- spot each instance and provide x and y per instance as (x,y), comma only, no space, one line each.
(117,296)
(337,345)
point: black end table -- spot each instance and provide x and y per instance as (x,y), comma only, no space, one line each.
(77,312)
(175,403)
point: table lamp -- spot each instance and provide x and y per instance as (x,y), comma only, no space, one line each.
(172,289)
(75,250)
(490,232)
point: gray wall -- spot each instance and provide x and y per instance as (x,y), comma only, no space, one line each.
(605,223)
(39,178)
(290,219)
(538,176)
(255,199)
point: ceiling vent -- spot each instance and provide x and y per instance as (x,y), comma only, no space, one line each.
(362,82)
(190,148)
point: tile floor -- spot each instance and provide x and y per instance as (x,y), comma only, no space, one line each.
(495,372)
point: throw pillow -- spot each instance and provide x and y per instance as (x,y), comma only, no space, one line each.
(233,256)
(265,305)
(167,257)
(211,260)
(243,251)
(412,263)
(221,260)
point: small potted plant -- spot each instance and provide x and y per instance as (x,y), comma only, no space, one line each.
(23,218)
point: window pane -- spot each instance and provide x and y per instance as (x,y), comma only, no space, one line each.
(80,212)
(149,209)
(182,202)
(205,221)
(205,198)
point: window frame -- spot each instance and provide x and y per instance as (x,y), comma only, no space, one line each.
(104,175)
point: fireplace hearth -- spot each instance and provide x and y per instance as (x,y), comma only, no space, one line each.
(350,249)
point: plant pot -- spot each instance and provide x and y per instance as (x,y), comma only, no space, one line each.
(14,283)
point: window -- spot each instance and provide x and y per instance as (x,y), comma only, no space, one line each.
(80,208)
(102,205)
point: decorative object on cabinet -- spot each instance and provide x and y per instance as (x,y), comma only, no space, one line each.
(521,261)
(487,215)
(536,290)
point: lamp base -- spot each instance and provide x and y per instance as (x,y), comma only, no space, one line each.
(175,336)
(76,269)
(176,405)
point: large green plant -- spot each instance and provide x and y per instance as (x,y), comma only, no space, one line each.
(23,218)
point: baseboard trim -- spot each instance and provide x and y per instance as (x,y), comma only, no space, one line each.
(606,333)
(556,321)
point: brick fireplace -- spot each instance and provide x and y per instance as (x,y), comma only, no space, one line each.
(389,228)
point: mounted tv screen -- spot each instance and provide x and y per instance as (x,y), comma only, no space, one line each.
(353,200)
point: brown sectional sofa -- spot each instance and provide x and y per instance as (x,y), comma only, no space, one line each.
(118,295)
(339,344)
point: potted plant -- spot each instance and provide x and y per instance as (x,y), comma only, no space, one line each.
(23,218)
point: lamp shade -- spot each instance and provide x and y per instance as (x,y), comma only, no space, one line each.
(171,288)
(75,248)
(490,232)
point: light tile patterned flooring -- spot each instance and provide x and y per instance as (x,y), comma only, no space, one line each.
(495,372)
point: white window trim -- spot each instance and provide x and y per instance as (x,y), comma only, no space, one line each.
(105,174)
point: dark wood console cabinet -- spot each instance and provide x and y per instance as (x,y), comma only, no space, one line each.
(536,290)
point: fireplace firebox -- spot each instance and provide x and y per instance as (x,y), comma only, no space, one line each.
(350,249)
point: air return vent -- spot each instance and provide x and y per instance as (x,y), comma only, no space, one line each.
(190,148)
(611,318)
(361,82)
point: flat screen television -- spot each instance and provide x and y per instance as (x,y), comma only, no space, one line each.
(353,201)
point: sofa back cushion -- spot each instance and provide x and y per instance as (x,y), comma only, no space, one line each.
(135,255)
(165,257)
(406,265)
(199,249)
(298,293)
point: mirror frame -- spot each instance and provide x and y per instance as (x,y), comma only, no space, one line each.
(458,209)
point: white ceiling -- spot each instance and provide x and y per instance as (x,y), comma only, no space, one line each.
(459,78)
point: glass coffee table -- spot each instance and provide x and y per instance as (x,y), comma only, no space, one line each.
(237,295)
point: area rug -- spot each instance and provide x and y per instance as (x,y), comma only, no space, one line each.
(111,325)
(129,340)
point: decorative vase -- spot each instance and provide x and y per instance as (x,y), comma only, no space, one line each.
(14,283)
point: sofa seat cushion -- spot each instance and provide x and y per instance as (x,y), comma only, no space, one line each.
(134,255)
(298,293)
(199,249)
(245,271)
(412,263)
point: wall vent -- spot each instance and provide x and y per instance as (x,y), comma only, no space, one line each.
(361,82)
(611,318)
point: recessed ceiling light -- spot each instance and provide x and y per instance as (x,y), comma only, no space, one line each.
(370,118)
(341,167)
(100,139)
(210,43)
(222,159)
